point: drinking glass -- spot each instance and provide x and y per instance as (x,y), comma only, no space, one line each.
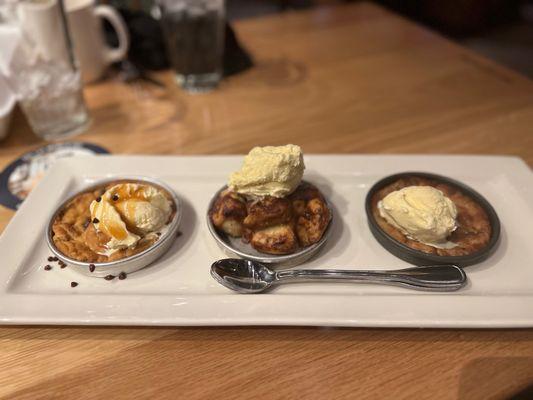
(194,38)
(41,68)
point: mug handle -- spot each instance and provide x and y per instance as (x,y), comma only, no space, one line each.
(110,14)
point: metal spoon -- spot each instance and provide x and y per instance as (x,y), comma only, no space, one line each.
(245,276)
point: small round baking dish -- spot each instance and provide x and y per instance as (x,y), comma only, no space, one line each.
(235,247)
(128,264)
(417,257)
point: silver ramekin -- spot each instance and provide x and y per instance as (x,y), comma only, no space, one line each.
(128,264)
(235,247)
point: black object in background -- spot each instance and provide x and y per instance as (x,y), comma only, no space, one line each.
(147,48)
(236,58)
(457,18)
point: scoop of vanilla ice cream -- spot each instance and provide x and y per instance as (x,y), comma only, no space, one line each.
(269,171)
(127,211)
(143,207)
(422,212)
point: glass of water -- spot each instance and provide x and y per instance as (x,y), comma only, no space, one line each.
(194,37)
(42,70)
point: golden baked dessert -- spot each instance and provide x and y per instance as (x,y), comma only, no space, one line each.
(273,225)
(269,206)
(437,219)
(112,222)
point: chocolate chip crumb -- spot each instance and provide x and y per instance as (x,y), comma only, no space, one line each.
(115,197)
(47,267)
(73,284)
(92,267)
(50,258)
(109,277)
(62,264)
(122,276)
(158,233)
(98,199)
(95,220)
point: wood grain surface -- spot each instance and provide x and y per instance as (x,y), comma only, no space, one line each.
(347,79)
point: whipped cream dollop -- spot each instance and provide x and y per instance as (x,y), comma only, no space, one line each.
(269,171)
(423,213)
(127,212)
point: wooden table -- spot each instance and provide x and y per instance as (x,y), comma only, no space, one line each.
(351,79)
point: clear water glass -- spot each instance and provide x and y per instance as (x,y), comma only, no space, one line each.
(42,69)
(194,38)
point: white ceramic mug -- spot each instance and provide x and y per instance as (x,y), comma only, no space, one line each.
(87,36)
(41,21)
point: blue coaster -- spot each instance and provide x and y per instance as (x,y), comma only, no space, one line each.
(20,177)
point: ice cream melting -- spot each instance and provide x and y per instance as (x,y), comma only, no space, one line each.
(127,212)
(269,171)
(423,213)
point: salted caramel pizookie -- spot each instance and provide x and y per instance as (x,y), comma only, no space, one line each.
(126,212)
(112,222)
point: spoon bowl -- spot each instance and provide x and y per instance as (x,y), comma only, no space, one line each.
(243,276)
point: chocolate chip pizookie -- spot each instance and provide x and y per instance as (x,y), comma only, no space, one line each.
(432,217)
(113,222)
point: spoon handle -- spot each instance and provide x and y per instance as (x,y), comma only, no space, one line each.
(434,278)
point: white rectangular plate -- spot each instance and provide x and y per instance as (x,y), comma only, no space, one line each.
(178,289)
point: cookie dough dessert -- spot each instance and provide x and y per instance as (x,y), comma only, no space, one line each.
(431,216)
(112,222)
(267,204)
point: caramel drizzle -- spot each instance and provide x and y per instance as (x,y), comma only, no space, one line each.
(126,210)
